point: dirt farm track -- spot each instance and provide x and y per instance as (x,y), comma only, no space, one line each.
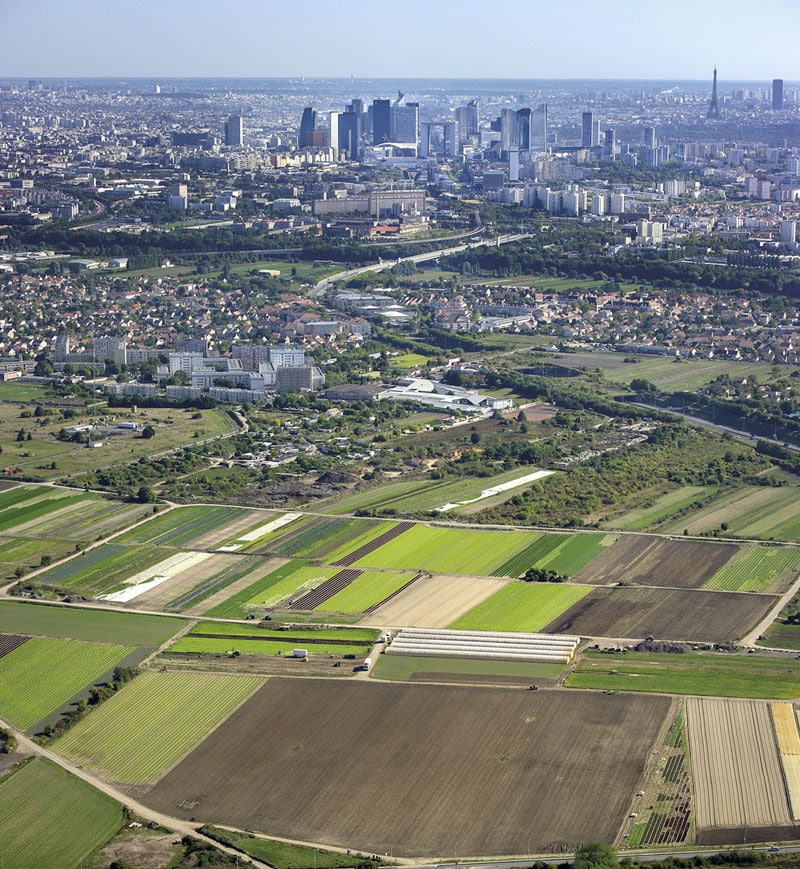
(421,770)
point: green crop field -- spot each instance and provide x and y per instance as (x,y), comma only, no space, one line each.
(447,550)
(38,506)
(293,634)
(405,668)
(780,635)
(661,509)
(321,536)
(237,570)
(717,675)
(90,625)
(521,606)
(378,495)
(154,722)
(50,818)
(180,526)
(369,589)
(191,645)
(766,569)
(564,553)
(271,589)
(40,676)
(369,533)
(28,551)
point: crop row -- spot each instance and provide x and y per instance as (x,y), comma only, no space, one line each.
(179,527)
(105,574)
(43,674)
(539,548)
(757,568)
(521,607)
(324,537)
(27,512)
(287,634)
(353,543)
(370,589)
(153,722)
(51,818)
(194,645)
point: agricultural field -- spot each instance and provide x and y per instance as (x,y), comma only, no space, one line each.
(710,675)
(368,540)
(40,676)
(564,553)
(27,552)
(318,537)
(662,508)
(232,573)
(50,818)
(180,527)
(406,668)
(152,723)
(767,569)
(448,550)
(735,767)
(368,590)
(665,613)
(89,625)
(648,560)
(521,606)
(781,635)
(571,760)
(19,508)
(384,492)
(762,512)
(433,601)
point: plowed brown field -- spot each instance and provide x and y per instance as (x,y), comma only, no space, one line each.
(421,770)
(735,766)
(666,614)
(646,560)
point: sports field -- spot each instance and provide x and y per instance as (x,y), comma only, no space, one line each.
(153,722)
(49,818)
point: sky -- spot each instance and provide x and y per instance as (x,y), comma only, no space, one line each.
(595,39)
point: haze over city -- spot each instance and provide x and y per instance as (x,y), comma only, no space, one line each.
(681,40)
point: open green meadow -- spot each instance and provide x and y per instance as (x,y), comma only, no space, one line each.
(780,635)
(766,569)
(372,587)
(406,668)
(89,625)
(179,527)
(154,722)
(447,550)
(36,457)
(50,818)
(661,509)
(40,676)
(405,361)
(521,606)
(715,675)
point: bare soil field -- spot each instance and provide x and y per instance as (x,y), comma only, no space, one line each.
(664,613)
(735,766)
(434,601)
(421,770)
(647,560)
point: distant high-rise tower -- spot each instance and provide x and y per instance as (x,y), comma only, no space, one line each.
(713,106)
(539,128)
(308,124)
(381,121)
(234,130)
(777,94)
(467,121)
(650,137)
(590,131)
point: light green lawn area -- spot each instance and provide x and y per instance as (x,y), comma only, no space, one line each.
(521,606)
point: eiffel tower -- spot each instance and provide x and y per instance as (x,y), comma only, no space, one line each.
(713,106)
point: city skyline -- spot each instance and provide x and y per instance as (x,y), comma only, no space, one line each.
(88,38)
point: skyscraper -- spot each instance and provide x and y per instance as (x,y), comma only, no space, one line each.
(590,131)
(713,106)
(650,137)
(777,94)
(234,131)
(467,121)
(308,124)
(346,133)
(404,126)
(381,121)
(539,128)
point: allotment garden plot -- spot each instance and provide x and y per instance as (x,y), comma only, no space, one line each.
(552,769)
